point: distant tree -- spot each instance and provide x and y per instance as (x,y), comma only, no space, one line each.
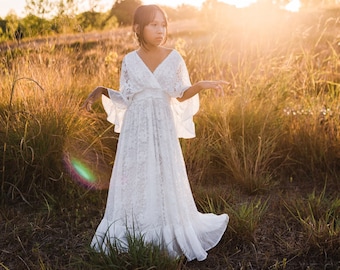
(19,33)
(110,23)
(94,4)
(123,10)
(3,34)
(66,7)
(3,25)
(181,12)
(39,8)
(36,26)
(216,13)
(63,23)
(209,4)
(186,12)
(89,20)
(12,24)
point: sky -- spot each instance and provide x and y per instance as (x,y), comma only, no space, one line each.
(19,5)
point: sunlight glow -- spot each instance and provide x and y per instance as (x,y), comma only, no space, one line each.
(198,3)
(240,3)
(293,6)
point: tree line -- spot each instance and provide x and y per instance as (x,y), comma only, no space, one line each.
(50,17)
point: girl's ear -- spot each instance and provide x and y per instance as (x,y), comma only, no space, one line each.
(136,28)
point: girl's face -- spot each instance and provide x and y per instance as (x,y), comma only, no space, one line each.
(155,32)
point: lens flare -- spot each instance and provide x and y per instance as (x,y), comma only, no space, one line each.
(81,172)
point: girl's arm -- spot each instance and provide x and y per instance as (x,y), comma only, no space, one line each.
(202,85)
(94,96)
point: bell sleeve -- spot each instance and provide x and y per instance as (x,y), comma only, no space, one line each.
(184,111)
(115,106)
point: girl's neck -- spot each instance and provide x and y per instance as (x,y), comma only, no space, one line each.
(149,49)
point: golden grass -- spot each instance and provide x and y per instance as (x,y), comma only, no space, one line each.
(263,151)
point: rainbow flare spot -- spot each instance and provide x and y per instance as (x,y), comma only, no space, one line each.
(81,173)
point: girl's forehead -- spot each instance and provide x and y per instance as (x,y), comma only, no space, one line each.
(158,16)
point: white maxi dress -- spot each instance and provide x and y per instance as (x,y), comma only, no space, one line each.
(149,193)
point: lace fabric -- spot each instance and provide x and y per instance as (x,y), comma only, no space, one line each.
(149,191)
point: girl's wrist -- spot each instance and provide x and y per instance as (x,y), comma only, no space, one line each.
(104,91)
(199,86)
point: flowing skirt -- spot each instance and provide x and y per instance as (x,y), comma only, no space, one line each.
(149,193)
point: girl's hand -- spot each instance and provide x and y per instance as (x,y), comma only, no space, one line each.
(93,97)
(217,85)
(202,85)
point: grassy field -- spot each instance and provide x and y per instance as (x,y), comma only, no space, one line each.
(267,152)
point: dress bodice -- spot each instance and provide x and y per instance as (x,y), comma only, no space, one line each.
(168,81)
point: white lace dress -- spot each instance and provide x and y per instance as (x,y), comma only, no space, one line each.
(149,191)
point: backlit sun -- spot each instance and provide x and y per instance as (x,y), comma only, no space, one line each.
(293,5)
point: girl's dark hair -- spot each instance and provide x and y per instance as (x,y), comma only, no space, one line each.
(143,16)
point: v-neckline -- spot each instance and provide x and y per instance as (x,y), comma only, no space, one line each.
(160,63)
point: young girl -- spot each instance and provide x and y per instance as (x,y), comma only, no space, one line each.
(149,194)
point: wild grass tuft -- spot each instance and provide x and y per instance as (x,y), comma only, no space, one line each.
(318,215)
(245,217)
(138,254)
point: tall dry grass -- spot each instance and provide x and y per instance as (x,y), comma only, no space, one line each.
(41,117)
(275,129)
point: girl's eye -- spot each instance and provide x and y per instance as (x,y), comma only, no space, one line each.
(154,24)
